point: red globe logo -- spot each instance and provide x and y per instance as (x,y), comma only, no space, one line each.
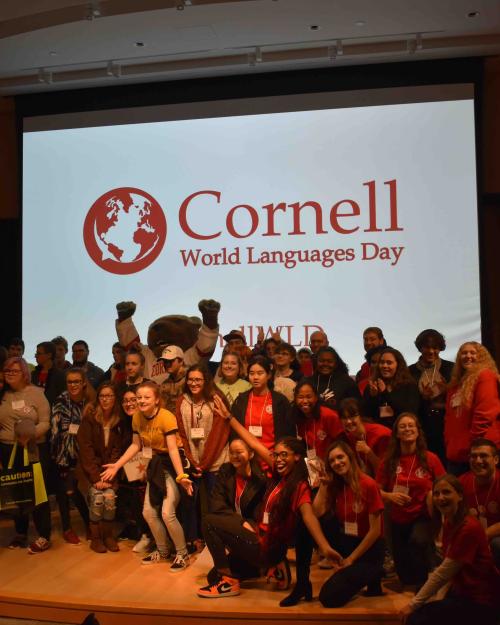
(124,230)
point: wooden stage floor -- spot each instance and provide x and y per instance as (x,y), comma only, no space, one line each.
(66,582)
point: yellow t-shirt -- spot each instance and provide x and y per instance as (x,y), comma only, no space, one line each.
(153,431)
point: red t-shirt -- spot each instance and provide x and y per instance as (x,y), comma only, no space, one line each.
(477,580)
(241,484)
(260,413)
(350,510)
(483,499)
(284,528)
(376,437)
(411,475)
(319,433)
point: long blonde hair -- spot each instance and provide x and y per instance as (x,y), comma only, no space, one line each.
(467,378)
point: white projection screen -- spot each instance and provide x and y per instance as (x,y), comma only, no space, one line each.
(333,210)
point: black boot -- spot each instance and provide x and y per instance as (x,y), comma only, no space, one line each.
(301,590)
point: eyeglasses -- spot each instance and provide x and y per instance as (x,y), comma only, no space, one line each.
(106,396)
(74,382)
(126,402)
(195,380)
(282,455)
(12,371)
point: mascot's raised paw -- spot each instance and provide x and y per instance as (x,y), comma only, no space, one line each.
(125,310)
(209,309)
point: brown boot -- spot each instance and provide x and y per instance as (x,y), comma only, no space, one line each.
(96,543)
(107,535)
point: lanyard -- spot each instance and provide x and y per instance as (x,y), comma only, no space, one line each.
(198,416)
(326,387)
(314,435)
(487,496)
(433,375)
(409,474)
(272,495)
(237,498)
(261,412)
(345,505)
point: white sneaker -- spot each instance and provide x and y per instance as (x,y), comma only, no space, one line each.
(325,563)
(142,545)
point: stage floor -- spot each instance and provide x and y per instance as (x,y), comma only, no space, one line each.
(66,582)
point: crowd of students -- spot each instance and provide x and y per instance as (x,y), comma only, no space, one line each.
(271,449)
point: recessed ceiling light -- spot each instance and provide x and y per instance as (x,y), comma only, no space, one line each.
(360,23)
(139,44)
(52,53)
(473,14)
(314,27)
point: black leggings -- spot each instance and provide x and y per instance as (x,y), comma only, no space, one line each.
(41,513)
(413,551)
(67,489)
(225,531)
(345,583)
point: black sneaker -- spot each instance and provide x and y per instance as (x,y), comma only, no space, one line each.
(181,562)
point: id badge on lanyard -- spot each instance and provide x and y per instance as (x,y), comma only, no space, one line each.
(256,430)
(351,529)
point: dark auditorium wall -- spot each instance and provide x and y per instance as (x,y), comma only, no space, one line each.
(485,73)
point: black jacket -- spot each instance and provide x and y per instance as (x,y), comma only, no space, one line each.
(223,493)
(283,424)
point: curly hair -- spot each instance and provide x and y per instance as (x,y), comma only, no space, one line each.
(467,378)
(298,474)
(393,453)
(337,483)
(402,375)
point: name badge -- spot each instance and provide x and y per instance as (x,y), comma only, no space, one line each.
(256,430)
(311,454)
(147,452)
(73,428)
(484,522)
(197,433)
(265,518)
(351,529)
(386,411)
(18,404)
(399,488)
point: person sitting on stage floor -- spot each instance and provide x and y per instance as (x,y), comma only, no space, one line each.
(355,502)
(482,490)
(368,440)
(155,432)
(101,437)
(473,595)
(288,498)
(405,477)
(234,506)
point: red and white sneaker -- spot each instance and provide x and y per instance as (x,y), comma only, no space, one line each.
(40,544)
(71,538)
(225,587)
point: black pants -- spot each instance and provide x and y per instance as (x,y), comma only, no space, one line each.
(225,531)
(413,551)
(345,583)
(41,513)
(453,610)
(66,486)
(129,505)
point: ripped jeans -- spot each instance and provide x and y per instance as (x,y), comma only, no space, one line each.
(102,504)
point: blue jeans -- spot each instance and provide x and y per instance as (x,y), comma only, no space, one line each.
(102,504)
